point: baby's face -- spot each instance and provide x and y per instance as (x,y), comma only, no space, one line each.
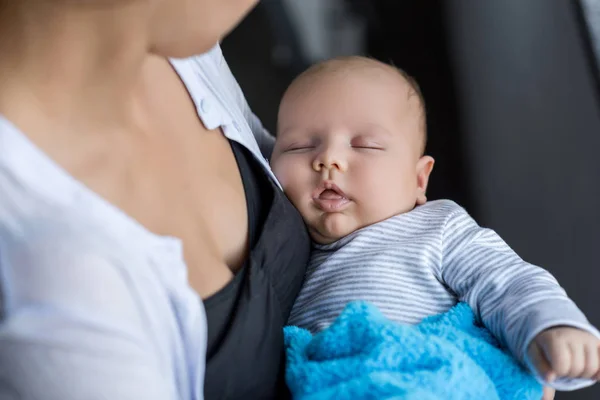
(348,152)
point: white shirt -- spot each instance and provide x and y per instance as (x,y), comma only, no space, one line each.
(94,306)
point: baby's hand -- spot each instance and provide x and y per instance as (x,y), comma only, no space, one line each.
(565,352)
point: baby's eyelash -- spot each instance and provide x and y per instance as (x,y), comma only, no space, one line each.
(369,147)
(299,148)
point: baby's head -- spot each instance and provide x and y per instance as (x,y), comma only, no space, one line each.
(350,143)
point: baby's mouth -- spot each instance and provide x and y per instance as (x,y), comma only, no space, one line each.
(330,194)
(330,198)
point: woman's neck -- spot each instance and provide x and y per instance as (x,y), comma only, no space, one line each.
(71,65)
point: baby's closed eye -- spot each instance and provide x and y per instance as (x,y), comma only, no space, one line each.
(366,144)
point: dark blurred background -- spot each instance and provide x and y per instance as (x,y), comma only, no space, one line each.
(513,96)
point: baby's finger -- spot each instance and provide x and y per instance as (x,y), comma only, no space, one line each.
(597,376)
(558,355)
(577,351)
(592,361)
(548,393)
(539,361)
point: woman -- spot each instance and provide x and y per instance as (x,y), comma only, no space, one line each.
(131,189)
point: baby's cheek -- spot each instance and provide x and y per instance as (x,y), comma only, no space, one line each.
(285,177)
(290,185)
(295,195)
(283,168)
(288,172)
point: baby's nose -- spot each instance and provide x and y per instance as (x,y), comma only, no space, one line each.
(330,161)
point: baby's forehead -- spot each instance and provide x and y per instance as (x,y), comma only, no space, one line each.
(387,80)
(368,73)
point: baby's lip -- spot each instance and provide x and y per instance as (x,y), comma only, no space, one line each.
(330,203)
(328,185)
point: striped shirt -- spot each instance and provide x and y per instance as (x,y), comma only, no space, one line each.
(422,263)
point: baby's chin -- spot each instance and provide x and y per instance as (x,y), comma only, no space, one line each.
(331,227)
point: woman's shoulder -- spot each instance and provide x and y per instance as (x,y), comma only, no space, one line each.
(44,208)
(78,265)
(29,185)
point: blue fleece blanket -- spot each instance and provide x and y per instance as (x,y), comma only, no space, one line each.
(363,355)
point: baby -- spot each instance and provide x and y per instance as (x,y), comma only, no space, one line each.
(350,156)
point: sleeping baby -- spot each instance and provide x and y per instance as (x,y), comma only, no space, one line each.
(350,156)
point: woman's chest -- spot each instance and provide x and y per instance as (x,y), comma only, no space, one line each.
(185,182)
(192,190)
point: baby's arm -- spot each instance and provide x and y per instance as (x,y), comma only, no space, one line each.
(518,302)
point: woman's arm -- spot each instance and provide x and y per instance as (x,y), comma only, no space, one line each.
(71,329)
(92,366)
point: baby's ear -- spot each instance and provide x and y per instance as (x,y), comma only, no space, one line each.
(424,168)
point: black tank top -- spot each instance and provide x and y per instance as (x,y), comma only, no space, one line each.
(245,358)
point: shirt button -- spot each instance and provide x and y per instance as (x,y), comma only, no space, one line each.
(205,106)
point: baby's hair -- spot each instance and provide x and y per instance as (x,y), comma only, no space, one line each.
(416,91)
(349,63)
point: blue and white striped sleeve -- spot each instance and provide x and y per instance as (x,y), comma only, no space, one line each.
(515,300)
